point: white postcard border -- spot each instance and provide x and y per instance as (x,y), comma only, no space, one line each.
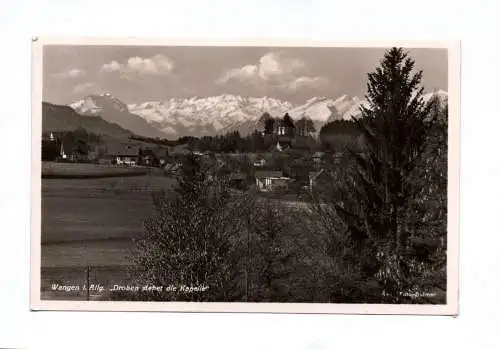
(450,308)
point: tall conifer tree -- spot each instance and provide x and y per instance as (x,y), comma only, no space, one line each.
(375,203)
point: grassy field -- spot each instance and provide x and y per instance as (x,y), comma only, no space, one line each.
(91,222)
(80,170)
(90,209)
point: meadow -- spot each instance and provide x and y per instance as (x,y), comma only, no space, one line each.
(84,170)
(92,222)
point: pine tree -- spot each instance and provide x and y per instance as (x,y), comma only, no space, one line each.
(269,125)
(376,200)
(289,125)
(262,123)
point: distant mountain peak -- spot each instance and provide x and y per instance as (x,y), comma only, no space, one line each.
(113,110)
(103,98)
(95,104)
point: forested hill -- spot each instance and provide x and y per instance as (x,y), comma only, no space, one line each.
(56,118)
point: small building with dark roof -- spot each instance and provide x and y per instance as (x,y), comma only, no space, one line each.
(271,180)
(123,155)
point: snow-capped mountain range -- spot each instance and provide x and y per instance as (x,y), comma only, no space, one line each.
(195,116)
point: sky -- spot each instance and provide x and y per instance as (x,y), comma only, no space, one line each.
(136,74)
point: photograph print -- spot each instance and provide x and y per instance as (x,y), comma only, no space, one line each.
(217,176)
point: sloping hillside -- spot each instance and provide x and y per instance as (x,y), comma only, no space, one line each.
(112,110)
(64,118)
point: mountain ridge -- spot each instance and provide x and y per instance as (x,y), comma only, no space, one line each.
(112,110)
(199,116)
(56,118)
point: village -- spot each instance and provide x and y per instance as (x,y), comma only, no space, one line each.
(289,161)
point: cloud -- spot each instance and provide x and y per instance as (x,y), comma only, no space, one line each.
(279,66)
(249,74)
(135,67)
(70,74)
(305,82)
(111,67)
(276,69)
(83,87)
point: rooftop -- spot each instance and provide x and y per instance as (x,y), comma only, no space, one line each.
(268,174)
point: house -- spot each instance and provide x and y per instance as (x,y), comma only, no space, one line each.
(260,162)
(124,157)
(271,181)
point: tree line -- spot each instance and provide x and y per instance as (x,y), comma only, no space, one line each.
(333,136)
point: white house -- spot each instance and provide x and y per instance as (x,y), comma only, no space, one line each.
(271,180)
(125,157)
(259,163)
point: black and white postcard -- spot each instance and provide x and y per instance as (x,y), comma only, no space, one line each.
(245,176)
